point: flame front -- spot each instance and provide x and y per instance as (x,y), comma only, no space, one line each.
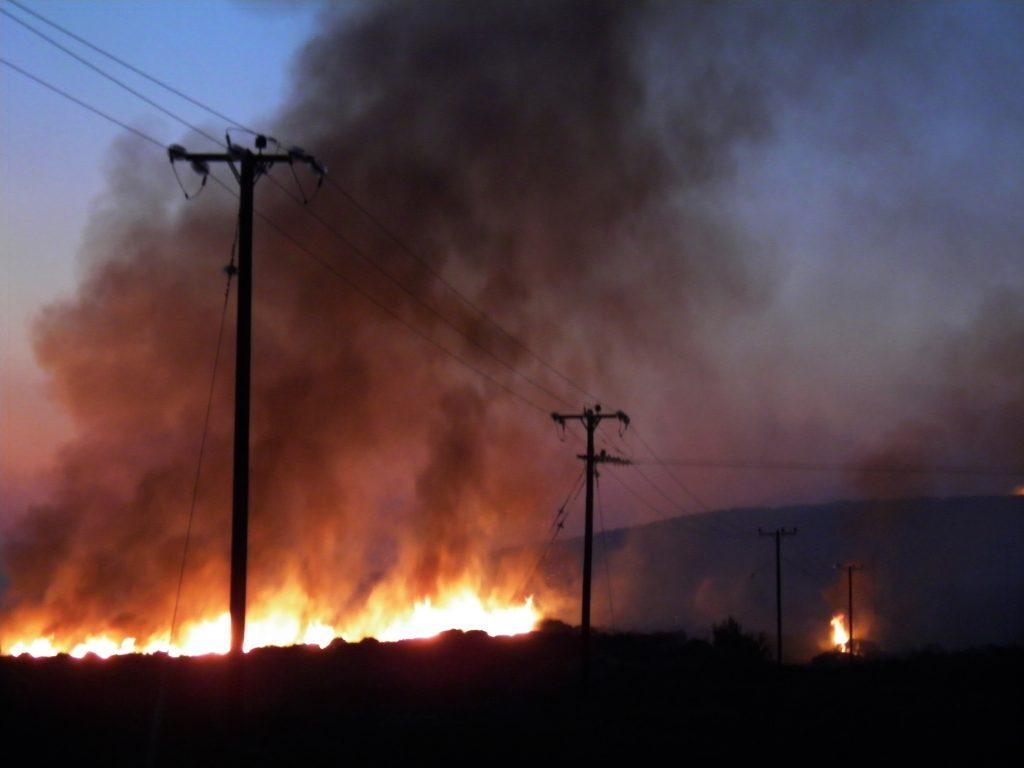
(279,624)
(840,635)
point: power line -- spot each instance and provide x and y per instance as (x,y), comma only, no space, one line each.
(154,740)
(323,262)
(398,241)
(420,301)
(672,502)
(683,520)
(108,76)
(284,234)
(722,527)
(323,222)
(557,524)
(127,65)
(343,238)
(362,208)
(797,466)
(735,530)
(383,307)
(661,492)
(447,284)
(206,428)
(84,105)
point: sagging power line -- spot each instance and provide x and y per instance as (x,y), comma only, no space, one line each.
(302,201)
(352,247)
(799,466)
(306,251)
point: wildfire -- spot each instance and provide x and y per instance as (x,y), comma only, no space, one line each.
(840,636)
(463,610)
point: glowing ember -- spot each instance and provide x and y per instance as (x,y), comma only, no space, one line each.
(1019,490)
(463,610)
(840,636)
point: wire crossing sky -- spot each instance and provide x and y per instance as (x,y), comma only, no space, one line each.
(770,162)
(785,239)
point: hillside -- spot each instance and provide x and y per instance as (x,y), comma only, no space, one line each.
(944,572)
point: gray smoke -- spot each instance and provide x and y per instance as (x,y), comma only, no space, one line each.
(609,180)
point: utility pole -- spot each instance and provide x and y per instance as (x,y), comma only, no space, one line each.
(778,533)
(850,568)
(250,166)
(591,418)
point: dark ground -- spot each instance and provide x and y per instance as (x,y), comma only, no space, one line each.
(470,698)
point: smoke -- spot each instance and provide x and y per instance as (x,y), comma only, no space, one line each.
(977,413)
(513,145)
(585,171)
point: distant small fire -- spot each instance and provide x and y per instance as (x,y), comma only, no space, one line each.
(840,635)
(462,610)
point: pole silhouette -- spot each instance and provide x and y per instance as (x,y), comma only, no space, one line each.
(247,166)
(850,568)
(591,418)
(777,534)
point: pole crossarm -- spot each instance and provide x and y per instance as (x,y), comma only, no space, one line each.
(606,458)
(200,161)
(590,414)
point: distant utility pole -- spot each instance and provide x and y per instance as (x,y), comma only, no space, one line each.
(247,167)
(591,418)
(778,533)
(850,568)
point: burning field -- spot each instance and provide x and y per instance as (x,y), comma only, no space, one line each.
(594,175)
(395,494)
(280,625)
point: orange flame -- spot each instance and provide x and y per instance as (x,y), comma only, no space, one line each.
(840,636)
(279,623)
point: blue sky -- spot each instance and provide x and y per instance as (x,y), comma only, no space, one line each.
(883,205)
(229,54)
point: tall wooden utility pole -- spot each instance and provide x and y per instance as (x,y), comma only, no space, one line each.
(778,533)
(850,568)
(247,167)
(591,418)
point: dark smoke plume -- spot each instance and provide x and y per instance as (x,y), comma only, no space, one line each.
(608,179)
(514,145)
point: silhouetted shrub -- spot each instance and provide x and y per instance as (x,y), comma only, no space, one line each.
(729,639)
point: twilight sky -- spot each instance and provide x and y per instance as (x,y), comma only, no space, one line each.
(232,54)
(877,210)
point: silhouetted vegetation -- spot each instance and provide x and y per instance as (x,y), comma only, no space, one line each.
(471,697)
(730,639)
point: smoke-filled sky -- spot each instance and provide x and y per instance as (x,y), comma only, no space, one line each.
(766,232)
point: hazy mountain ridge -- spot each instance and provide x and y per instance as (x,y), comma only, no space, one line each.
(936,571)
